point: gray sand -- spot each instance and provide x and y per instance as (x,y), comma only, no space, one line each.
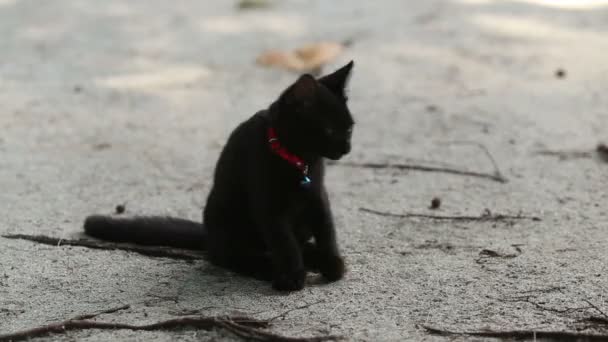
(113,102)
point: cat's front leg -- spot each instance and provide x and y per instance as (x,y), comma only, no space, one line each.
(269,210)
(287,263)
(289,270)
(328,259)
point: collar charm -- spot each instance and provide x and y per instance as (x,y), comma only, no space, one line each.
(281,151)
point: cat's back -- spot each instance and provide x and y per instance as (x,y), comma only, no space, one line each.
(244,145)
(232,170)
(248,136)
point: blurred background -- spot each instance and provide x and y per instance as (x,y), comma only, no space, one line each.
(125,91)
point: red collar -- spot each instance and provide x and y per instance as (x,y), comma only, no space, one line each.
(281,151)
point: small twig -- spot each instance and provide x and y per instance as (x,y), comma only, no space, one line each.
(520,334)
(93,315)
(485,254)
(601,150)
(544,290)
(282,315)
(483,217)
(206,323)
(481,146)
(260,335)
(241,326)
(596,308)
(426,168)
(162,252)
(434,244)
(331,313)
(603,320)
(596,320)
(233,309)
(564,155)
(530,300)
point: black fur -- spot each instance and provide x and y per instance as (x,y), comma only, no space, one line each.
(259,221)
(152,231)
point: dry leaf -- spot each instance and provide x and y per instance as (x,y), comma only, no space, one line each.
(281,59)
(303,59)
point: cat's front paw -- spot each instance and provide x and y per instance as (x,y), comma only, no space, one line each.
(289,281)
(332,267)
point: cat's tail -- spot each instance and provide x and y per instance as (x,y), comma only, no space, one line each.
(151,231)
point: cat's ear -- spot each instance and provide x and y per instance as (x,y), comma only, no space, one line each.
(336,81)
(303,91)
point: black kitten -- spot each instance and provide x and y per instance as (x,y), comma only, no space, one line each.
(268,214)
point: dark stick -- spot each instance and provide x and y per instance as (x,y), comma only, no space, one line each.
(520,334)
(206,323)
(484,217)
(495,177)
(565,154)
(245,327)
(162,252)
(89,316)
(596,320)
(497,171)
(601,150)
(596,308)
(282,315)
(259,335)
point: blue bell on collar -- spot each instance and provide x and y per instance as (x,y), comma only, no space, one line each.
(305,182)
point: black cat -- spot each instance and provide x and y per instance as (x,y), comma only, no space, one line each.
(268,214)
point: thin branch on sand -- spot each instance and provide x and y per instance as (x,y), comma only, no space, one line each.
(601,150)
(425,168)
(487,216)
(565,155)
(496,176)
(103,312)
(245,327)
(485,150)
(520,334)
(305,306)
(260,335)
(597,319)
(161,252)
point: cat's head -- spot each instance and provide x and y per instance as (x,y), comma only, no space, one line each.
(315,115)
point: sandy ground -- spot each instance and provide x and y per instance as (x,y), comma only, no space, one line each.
(111,102)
